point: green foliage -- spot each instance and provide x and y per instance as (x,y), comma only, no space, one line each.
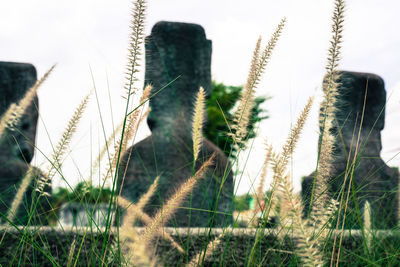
(241,203)
(82,193)
(220,110)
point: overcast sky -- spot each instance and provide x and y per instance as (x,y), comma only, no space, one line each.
(92,35)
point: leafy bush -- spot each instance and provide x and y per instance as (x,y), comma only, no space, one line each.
(220,111)
(83,192)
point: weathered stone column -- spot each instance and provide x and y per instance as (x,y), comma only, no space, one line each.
(361,104)
(172,50)
(17,146)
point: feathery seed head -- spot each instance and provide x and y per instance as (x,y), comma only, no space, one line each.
(257,67)
(327,114)
(198,121)
(62,146)
(263,177)
(367,223)
(26,181)
(136,41)
(173,203)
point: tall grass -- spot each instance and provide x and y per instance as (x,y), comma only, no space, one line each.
(297,240)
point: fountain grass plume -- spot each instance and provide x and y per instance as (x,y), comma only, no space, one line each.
(26,181)
(320,195)
(133,212)
(63,143)
(135,45)
(209,250)
(198,121)
(71,253)
(367,223)
(260,189)
(281,161)
(242,115)
(150,192)
(129,128)
(257,67)
(291,207)
(165,213)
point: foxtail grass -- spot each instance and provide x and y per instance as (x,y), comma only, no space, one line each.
(367,223)
(133,212)
(26,181)
(260,195)
(320,196)
(62,146)
(200,257)
(198,121)
(257,68)
(173,203)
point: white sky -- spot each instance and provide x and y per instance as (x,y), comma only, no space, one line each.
(79,35)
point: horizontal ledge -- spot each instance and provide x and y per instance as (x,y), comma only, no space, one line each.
(184,231)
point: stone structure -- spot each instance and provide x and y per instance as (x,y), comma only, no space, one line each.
(17,146)
(373,180)
(172,50)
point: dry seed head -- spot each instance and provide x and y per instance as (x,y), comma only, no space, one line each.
(291,209)
(173,203)
(328,109)
(263,177)
(133,121)
(198,121)
(26,181)
(110,140)
(71,253)
(55,160)
(133,118)
(133,213)
(257,67)
(150,192)
(135,43)
(293,138)
(367,222)
(211,247)
(243,113)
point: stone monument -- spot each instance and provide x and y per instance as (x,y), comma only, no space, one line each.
(373,180)
(17,146)
(178,50)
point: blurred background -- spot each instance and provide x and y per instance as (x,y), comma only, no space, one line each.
(88,40)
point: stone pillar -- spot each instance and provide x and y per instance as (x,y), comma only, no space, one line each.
(172,50)
(17,146)
(373,180)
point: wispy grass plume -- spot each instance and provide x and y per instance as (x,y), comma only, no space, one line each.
(62,146)
(257,68)
(200,257)
(146,197)
(129,130)
(198,121)
(135,43)
(260,195)
(71,253)
(26,181)
(133,212)
(281,178)
(173,203)
(367,223)
(320,197)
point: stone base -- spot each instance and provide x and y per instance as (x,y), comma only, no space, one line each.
(48,246)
